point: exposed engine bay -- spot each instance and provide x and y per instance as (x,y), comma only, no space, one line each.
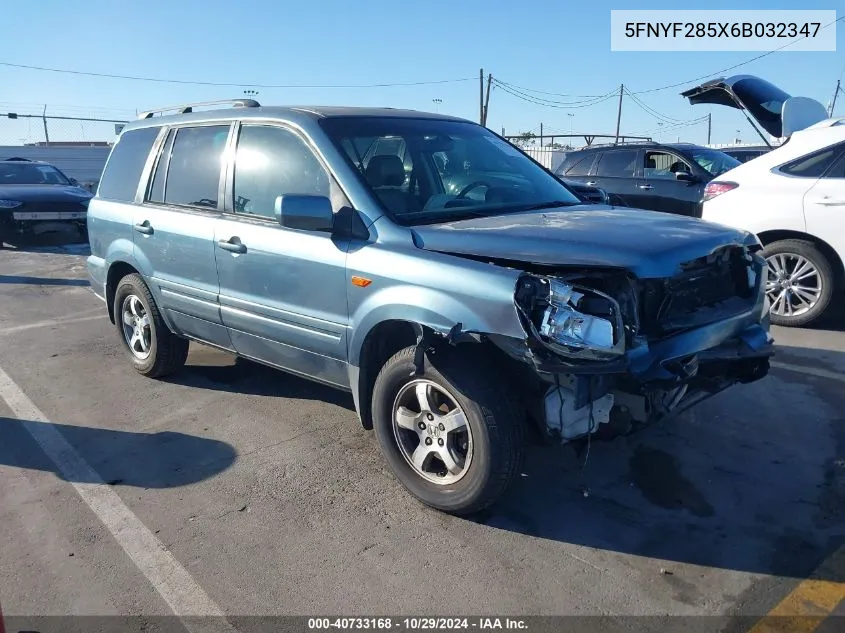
(610,351)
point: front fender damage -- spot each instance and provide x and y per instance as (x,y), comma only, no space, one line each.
(642,364)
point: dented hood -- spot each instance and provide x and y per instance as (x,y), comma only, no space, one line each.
(777,112)
(647,243)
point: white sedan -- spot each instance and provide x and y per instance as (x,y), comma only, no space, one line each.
(793,198)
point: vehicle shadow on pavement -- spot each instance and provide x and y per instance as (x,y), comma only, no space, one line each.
(42,281)
(243,376)
(59,242)
(751,480)
(142,460)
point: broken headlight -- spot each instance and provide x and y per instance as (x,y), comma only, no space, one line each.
(572,320)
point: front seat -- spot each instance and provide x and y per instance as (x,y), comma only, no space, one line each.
(386,174)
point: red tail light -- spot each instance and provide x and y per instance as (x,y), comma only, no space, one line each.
(714,189)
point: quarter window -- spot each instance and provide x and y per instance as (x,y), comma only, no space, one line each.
(617,164)
(271,162)
(193,173)
(838,169)
(125,164)
(813,165)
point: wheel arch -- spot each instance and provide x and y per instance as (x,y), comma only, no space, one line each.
(386,338)
(117,271)
(768,237)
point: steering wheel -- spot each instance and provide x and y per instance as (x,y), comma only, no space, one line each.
(478,183)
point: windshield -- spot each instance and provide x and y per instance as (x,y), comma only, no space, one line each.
(433,170)
(714,162)
(12,173)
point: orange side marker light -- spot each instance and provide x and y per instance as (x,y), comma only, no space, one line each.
(361,282)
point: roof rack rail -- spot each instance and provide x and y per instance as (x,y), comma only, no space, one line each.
(634,142)
(189,107)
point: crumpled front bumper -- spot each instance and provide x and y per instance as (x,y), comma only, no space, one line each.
(739,338)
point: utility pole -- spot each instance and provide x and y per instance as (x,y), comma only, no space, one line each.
(487,100)
(619,114)
(44,119)
(835,94)
(541,135)
(708,127)
(481,96)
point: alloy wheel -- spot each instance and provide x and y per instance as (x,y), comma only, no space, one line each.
(136,327)
(432,432)
(794,286)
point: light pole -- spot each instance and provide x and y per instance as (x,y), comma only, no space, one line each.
(571,116)
(251,93)
(436,101)
(659,129)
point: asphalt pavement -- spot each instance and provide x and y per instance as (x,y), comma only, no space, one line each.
(232,488)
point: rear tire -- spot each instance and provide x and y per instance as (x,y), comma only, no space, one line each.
(485,452)
(153,349)
(801,264)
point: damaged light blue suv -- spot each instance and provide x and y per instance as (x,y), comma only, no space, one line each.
(455,287)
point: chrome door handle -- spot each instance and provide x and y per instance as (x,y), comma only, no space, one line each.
(144,228)
(646,187)
(590,183)
(232,247)
(827,202)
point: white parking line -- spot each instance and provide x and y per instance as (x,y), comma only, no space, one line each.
(54,322)
(172,581)
(810,371)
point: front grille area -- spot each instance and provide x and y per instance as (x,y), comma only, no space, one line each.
(47,206)
(706,290)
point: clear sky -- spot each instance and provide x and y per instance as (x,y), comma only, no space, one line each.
(555,46)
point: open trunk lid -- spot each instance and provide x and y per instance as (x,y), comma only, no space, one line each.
(777,112)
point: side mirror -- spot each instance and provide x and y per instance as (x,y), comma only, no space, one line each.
(684,176)
(306,213)
(74,182)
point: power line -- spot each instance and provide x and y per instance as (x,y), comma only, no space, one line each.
(553,94)
(665,118)
(227,84)
(552,104)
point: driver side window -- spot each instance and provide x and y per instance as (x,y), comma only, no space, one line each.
(663,166)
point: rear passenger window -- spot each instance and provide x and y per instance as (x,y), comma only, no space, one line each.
(581,167)
(272,162)
(125,164)
(193,173)
(617,164)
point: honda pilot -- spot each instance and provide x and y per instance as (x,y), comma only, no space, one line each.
(348,246)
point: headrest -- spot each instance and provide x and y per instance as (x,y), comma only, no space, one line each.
(650,163)
(385,171)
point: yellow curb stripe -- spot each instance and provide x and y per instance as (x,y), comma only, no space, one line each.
(806,607)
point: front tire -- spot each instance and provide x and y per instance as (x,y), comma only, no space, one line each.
(153,349)
(449,434)
(800,282)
